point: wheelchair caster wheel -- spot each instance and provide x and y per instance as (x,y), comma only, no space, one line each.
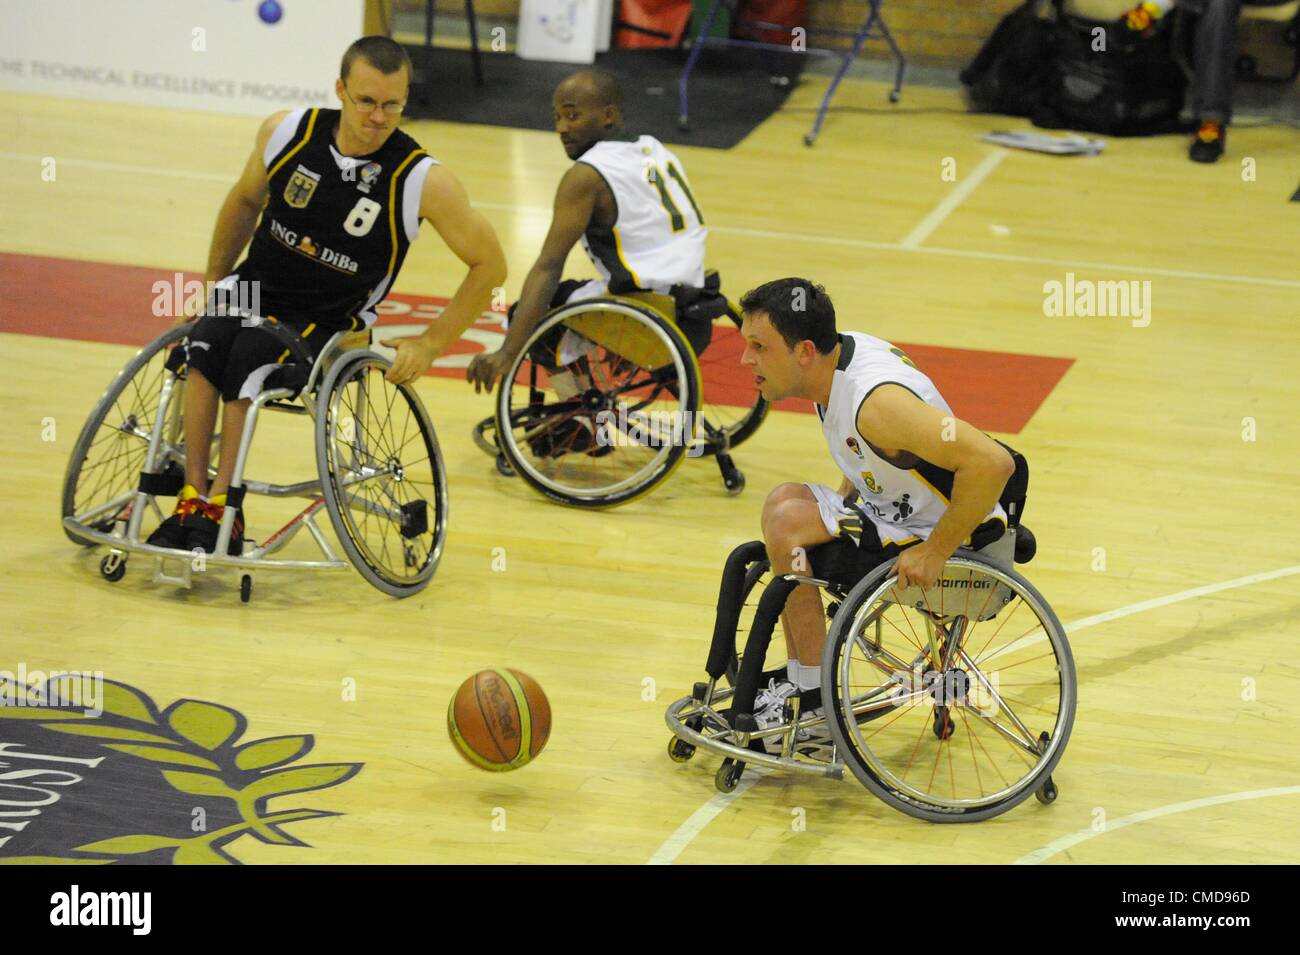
(944,727)
(245,588)
(503,466)
(734,483)
(113,567)
(727,778)
(679,751)
(1046,793)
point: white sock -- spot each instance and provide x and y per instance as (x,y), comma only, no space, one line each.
(807,677)
(792,671)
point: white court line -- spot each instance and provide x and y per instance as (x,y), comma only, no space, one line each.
(680,839)
(540,211)
(1038,636)
(953,200)
(1083,835)
(692,827)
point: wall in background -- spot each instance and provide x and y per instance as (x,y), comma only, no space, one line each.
(930,32)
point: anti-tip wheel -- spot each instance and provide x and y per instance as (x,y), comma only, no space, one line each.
(245,588)
(679,751)
(1046,793)
(503,466)
(113,567)
(728,776)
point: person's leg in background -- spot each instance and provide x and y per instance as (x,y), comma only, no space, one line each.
(1214,46)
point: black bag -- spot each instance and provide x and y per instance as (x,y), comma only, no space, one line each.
(1010,74)
(1109,79)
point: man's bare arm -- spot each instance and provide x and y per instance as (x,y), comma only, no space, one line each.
(575,202)
(471,239)
(894,418)
(238,216)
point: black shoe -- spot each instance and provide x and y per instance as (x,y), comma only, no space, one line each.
(1209,142)
(206,524)
(174,532)
(569,437)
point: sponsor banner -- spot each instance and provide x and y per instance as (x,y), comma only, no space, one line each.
(231,56)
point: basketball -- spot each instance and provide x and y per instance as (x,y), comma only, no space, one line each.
(499,719)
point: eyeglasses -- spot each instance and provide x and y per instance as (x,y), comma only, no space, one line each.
(368,106)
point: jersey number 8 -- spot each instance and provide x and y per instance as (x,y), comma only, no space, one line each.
(362,217)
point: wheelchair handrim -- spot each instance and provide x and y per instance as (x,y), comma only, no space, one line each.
(873,589)
(642,480)
(345,501)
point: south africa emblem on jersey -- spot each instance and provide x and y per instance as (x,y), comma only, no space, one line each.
(301,186)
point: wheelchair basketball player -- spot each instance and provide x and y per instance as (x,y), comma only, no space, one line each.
(628,201)
(918,481)
(340,194)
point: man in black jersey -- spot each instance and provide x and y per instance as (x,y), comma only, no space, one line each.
(340,195)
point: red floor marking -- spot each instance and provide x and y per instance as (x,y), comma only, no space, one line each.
(90,301)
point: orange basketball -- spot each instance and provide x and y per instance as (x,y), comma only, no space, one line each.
(499,719)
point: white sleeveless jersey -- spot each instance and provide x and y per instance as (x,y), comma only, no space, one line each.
(658,237)
(910,495)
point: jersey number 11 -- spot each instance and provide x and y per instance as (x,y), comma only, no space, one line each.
(659,181)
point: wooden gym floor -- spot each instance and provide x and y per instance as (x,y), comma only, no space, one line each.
(1163,497)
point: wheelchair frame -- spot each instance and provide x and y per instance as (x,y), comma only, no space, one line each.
(698,721)
(162,473)
(685,385)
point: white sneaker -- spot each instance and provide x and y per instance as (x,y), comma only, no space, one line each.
(769,712)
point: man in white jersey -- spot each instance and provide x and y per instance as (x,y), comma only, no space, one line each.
(628,201)
(918,481)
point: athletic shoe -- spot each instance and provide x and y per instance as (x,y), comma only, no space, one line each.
(1209,142)
(206,524)
(769,713)
(572,436)
(174,531)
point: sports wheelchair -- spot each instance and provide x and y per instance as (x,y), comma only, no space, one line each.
(951,703)
(610,394)
(380,473)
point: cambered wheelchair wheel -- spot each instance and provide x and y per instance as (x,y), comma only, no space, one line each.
(382,474)
(614,415)
(952,704)
(104,470)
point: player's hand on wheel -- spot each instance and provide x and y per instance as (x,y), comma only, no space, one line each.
(485,369)
(413,358)
(919,566)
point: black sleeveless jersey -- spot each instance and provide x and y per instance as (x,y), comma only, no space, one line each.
(335,228)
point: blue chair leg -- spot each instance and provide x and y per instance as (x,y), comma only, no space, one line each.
(697,48)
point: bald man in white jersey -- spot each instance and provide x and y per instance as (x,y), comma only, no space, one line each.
(627,200)
(918,481)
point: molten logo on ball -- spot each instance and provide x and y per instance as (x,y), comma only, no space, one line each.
(499,719)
